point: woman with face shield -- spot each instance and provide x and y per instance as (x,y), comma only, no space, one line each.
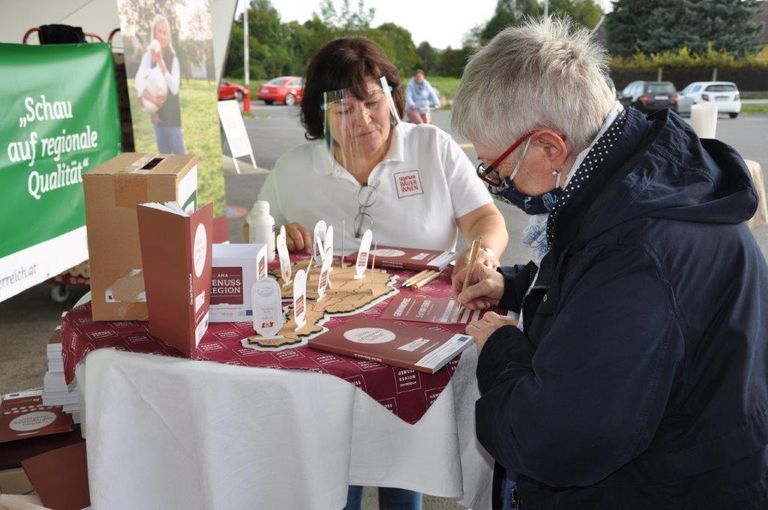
(637,374)
(365,169)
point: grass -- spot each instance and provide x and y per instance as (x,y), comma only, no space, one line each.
(200,125)
(754,108)
(754,95)
(446,85)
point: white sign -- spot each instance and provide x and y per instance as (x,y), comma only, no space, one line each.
(324,281)
(362,255)
(267,307)
(300,299)
(234,129)
(285,260)
(328,243)
(318,246)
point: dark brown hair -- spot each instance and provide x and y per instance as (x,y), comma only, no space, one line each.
(347,62)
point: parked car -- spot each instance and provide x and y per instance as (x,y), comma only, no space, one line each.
(650,96)
(723,94)
(229,90)
(285,89)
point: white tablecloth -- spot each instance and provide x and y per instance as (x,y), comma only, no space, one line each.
(169,434)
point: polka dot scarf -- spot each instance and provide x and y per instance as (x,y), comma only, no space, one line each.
(591,162)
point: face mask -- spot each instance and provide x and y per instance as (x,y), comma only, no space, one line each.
(529,204)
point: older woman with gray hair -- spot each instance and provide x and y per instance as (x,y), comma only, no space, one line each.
(636,375)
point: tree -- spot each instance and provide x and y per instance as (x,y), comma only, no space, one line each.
(397,43)
(233,64)
(505,15)
(278,48)
(305,40)
(583,12)
(345,19)
(655,26)
(627,25)
(429,57)
(452,62)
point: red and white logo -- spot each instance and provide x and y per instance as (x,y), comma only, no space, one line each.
(408,184)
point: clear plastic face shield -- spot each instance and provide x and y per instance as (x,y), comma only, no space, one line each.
(356,129)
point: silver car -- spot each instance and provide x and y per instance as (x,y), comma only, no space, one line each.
(723,94)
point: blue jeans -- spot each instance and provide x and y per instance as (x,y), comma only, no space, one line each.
(507,487)
(389,499)
(169,139)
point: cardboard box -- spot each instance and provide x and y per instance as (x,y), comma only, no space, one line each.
(176,256)
(235,268)
(14,481)
(112,191)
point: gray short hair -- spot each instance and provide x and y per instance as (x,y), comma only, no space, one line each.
(542,74)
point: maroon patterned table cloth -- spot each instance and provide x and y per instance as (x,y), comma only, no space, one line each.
(406,393)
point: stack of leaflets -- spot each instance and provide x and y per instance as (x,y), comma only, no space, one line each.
(414,259)
(23,414)
(56,392)
(391,343)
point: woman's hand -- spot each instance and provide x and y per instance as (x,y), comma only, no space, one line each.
(157,56)
(298,238)
(483,328)
(485,290)
(159,101)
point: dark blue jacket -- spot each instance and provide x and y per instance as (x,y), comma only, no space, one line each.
(641,380)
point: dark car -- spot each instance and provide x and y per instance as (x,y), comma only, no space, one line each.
(285,89)
(650,96)
(229,90)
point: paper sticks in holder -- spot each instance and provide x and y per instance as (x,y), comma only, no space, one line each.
(420,279)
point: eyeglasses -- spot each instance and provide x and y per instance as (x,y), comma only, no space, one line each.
(489,174)
(366,197)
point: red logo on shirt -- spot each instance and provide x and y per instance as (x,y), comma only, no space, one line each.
(408,184)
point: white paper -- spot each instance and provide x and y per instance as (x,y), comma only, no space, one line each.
(300,299)
(328,243)
(285,260)
(318,246)
(324,280)
(362,255)
(267,307)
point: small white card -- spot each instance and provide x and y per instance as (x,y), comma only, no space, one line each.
(267,307)
(318,244)
(285,260)
(300,299)
(328,243)
(324,281)
(362,255)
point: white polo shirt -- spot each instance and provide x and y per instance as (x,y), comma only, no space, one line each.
(423,184)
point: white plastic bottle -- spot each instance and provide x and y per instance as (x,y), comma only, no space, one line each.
(261,227)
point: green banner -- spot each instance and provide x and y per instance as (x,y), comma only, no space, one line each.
(59,120)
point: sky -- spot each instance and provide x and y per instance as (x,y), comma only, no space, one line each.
(442,23)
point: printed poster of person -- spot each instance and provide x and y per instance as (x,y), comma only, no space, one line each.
(172,86)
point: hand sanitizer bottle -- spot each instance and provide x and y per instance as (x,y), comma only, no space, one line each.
(261,227)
